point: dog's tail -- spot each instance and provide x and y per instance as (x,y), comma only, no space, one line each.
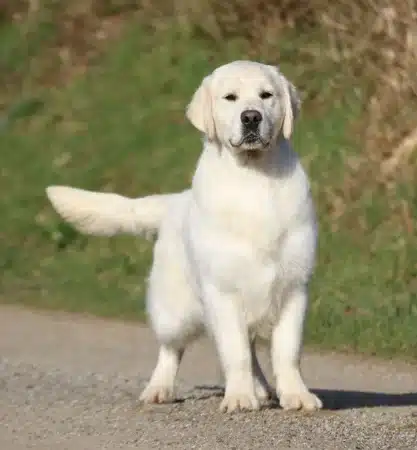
(107,214)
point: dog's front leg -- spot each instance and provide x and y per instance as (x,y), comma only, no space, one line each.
(286,348)
(229,330)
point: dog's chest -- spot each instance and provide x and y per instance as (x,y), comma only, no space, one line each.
(247,207)
(241,217)
(251,218)
(240,227)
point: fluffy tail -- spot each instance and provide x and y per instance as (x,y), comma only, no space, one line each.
(105,214)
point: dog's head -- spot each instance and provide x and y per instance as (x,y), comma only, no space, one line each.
(245,106)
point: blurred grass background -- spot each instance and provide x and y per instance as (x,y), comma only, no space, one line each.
(93,93)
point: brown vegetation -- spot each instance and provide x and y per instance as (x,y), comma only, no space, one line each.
(373,43)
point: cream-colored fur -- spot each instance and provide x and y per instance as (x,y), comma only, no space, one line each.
(235,252)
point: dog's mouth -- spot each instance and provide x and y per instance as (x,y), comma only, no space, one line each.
(251,141)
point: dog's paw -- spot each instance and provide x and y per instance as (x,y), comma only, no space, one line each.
(239,402)
(157,394)
(300,400)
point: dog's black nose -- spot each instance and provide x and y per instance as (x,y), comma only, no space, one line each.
(251,118)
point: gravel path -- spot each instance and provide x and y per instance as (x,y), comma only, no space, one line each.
(72,383)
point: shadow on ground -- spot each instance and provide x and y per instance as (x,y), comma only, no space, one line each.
(334,399)
(339,399)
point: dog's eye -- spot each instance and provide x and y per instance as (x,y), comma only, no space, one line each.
(230,97)
(265,94)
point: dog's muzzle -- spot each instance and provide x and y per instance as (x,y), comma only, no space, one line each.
(251,139)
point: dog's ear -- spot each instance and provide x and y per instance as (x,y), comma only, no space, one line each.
(200,112)
(292,108)
(292,104)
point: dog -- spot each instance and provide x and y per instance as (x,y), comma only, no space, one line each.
(234,253)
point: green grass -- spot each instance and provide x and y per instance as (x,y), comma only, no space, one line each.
(121,127)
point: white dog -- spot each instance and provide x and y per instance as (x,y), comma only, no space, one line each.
(234,253)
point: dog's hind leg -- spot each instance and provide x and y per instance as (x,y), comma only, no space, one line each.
(160,388)
(263,390)
(175,314)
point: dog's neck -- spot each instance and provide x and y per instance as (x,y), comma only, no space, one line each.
(250,157)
